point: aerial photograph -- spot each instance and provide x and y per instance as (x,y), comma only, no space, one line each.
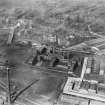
(52,52)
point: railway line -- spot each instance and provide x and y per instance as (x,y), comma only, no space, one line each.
(54,72)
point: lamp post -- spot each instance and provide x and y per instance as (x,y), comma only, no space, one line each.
(8,85)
